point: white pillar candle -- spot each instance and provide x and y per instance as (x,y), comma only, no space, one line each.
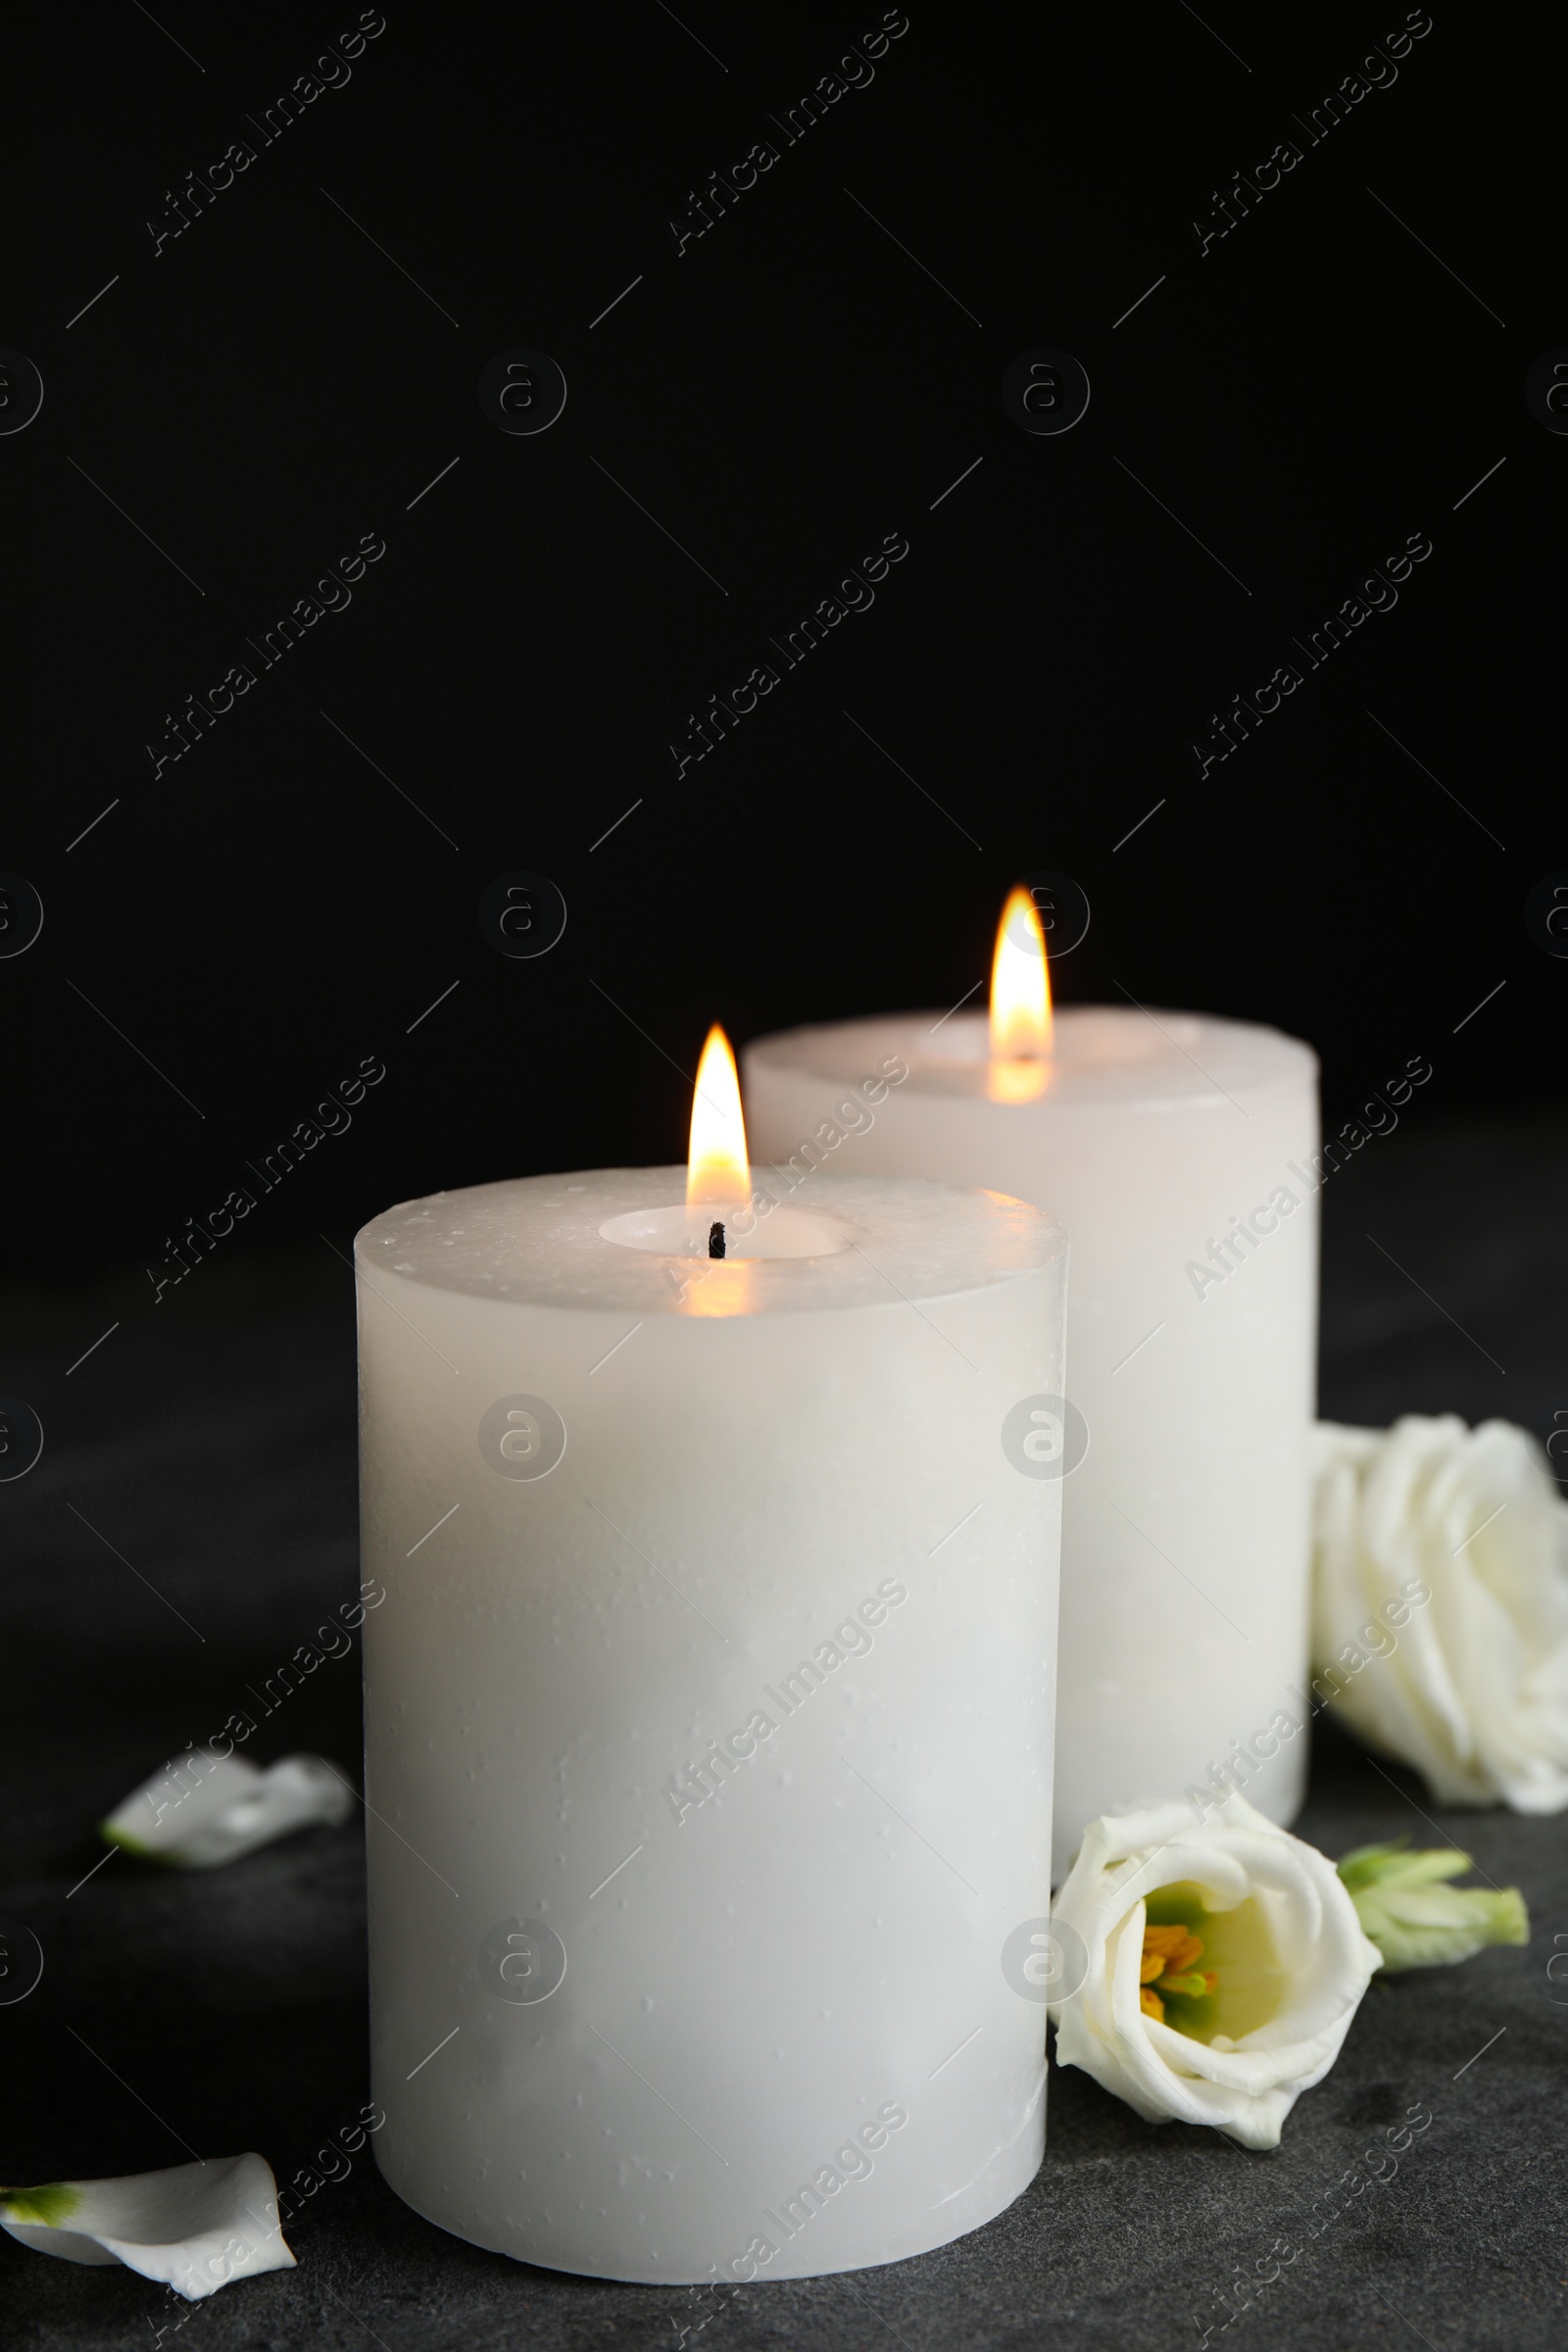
(1185,1526)
(707,1717)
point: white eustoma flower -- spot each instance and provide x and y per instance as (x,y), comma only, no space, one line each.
(1233,2041)
(194,2226)
(204,1809)
(1471,1684)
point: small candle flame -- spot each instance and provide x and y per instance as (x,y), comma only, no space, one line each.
(1020,984)
(717,1165)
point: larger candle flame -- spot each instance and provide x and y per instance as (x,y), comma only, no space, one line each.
(1020,984)
(717,1165)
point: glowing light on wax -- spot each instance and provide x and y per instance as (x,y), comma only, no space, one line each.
(650,1439)
(1198,1399)
(1020,1005)
(717,1166)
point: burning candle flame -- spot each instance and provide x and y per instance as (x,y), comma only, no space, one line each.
(1020,985)
(717,1165)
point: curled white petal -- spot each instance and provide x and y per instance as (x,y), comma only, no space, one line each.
(1323,1962)
(194,2226)
(202,1809)
(1441,1604)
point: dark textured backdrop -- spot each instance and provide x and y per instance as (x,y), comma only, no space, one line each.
(227,936)
(293,368)
(226,2010)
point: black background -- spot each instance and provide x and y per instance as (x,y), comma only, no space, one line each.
(268,910)
(786,391)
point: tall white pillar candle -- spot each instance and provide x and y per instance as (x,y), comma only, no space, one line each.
(1177,1152)
(707,1717)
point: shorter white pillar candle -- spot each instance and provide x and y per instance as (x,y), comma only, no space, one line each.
(708,1718)
(1177,1152)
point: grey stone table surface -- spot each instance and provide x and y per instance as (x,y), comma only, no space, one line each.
(192,1516)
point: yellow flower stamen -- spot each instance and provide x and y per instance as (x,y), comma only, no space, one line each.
(1167,1961)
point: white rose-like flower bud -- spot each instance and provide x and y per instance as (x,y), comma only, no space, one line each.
(1225,1962)
(1473,1689)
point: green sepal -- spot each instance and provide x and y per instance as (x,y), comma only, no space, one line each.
(1418,1922)
(48,2207)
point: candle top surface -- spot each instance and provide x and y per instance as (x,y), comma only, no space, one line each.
(539,1240)
(1101,1054)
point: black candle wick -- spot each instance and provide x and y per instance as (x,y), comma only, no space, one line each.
(716,1240)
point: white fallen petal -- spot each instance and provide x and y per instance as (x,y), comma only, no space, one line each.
(193,2228)
(204,1809)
